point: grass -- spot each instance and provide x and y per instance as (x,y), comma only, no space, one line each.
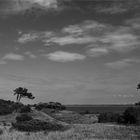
(78,132)
(73,117)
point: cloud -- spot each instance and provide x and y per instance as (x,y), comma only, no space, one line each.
(122,63)
(95,52)
(28,37)
(61,56)
(113,9)
(18,6)
(33,36)
(30,55)
(121,42)
(13,56)
(134,23)
(121,39)
(101,6)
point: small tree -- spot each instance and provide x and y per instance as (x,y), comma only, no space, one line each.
(138,86)
(22,93)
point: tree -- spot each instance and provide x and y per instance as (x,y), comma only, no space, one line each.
(138,86)
(22,93)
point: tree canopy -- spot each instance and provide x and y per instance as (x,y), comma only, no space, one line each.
(21,92)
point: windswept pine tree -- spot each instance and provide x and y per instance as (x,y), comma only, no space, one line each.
(21,92)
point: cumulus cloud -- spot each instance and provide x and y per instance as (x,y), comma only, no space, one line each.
(61,56)
(122,63)
(13,56)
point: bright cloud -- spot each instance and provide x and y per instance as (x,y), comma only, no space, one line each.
(13,56)
(28,37)
(61,56)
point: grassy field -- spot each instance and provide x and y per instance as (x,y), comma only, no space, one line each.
(77,132)
(98,108)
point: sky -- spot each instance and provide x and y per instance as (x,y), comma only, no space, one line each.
(71,51)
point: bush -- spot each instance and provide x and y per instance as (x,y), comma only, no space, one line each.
(5,107)
(121,119)
(137,104)
(17,106)
(23,118)
(1,131)
(25,109)
(37,125)
(132,115)
(108,117)
(50,105)
(5,110)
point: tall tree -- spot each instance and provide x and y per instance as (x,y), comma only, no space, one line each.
(21,92)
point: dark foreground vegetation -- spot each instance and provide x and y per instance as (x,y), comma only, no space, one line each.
(24,122)
(130,116)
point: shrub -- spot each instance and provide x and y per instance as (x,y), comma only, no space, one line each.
(5,107)
(37,125)
(1,131)
(120,119)
(132,115)
(25,109)
(137,104)
(23,118)
(108,117)
(5,110)
(16,106)
(50,105)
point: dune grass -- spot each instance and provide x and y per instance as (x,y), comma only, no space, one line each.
(77,132)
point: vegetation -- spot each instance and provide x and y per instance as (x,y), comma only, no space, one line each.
(26,123)
(130,116)
(25,109)
(50,105)
(22,93)
(23,117)
(78,132)
(53,116)
(108,117)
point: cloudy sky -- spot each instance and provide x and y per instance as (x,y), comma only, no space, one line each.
(71,51)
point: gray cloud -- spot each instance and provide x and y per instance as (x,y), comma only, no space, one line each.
(13,57)
(123,63)
(19,6)
(89,33)
(61,56)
